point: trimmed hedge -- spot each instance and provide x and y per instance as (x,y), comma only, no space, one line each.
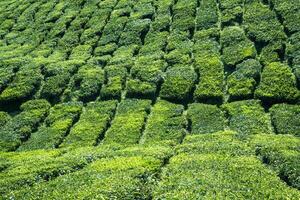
(248,117)
(236,46)
(210,87)
(222,142)
(207,15)
(165,123)
(140,89)
(4,118)
(92,124)
(55,128)
(127,126)
(178,83)
(20,127)
(211,176)
(242,82)
(205,118)
(278,84)
(184,15)
(231,11)
(86,84)
(23,86)
(281,153)
(107,178)
(286,119)
(261,23)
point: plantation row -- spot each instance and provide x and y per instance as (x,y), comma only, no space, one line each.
(218,165)
(182,51)
(133,121)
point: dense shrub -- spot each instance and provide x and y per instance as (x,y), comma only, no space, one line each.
(207,15)
(205,118)
(140,89)
(210,87)
(231,11)
(128,123)
(55,127)
(92,124)
(4,118)
(242,82)
(20,127)
(286,119)
(281,153)
(178,83)
(24,84)
(219,176)
(86,84)
(236,47)
(248,117)
(278,84)
(166,122)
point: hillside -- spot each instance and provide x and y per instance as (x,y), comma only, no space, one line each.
(149,99)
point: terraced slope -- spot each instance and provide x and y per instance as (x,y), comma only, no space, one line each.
(150,99)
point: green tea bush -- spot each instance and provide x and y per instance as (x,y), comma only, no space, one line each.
(140,89)
(6,76)
(242,82)
(128,123)
(278,84)
(106,49)
(86,84)
(130,179)
(210,87)
(205,118)
(178,83)
(20,127)
(184,15)
(231,11)
(222,142)
(165,123)
(288,11)
(236,47)
(4,118)
(143,10)
(219,176)
(113,30)
(55,128)
(207,15)
(92,124)
(293,49)
(133,32)
(286,118)
(23,86)
(57,78)
(261,23)
(248,117)
(281,153)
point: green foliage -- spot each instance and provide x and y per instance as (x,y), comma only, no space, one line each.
(23,86)
(231,11)
(207,15)
(4,118)
(178,83)
(184,15)
(212,176)
(166,122)
(55,128)
(22,125)
(92,124)
(242,82)
(205,118)
(129,180)
(222,142)
(293,49)
(281,152)
(286,119)
(128,123)
(113,30)
(248,117)
(104,50)
(210,87)
(278,84)
(236,46)
(261,23)
(86,84)
(139,89)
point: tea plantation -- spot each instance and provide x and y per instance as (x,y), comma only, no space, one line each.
(149,99)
